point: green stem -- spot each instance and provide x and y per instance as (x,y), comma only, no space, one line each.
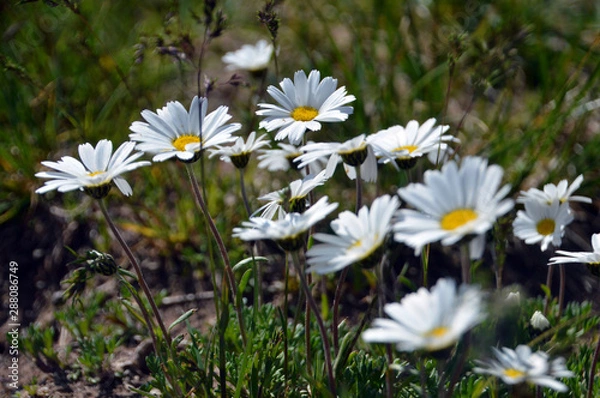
(389,355)
(244,195)
(138,271)
(465,263)
(230,277)
(590,391)
(321,325)
(358,189)
(336,309)
(561,291)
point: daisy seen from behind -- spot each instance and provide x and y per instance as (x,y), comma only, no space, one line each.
(98,169)
(402,146)
(288,231)
(303,105)
(542,223)
(239,153)
(173,132)
(429,320)
(453,203)
(292,198)
(521,365)
(358,238)
(591,259)
(252,58)
(356,152)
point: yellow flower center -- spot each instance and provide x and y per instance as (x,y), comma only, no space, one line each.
(437,332)
(95,173)
(457,218)
(513,373)
(409,148)
(546,226)
(304,113)
(180,142)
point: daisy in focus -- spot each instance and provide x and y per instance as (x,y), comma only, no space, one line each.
(542,223)
(289,231)
(174,132)
(563,192)
(591,259)
(356,152)
(96,171)
(252,58)
(453,203)
(304,104)
(402,146)
(239,153)
(429,320)
(358,237)
(523,366)
(292,198)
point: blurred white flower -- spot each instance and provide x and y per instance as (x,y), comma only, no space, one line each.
(561,192)
(542,223)
(453,203)
(289,231)
(250,57)
(358,237)
(304,104)
(174,132)
(98,168)
(522,366)
(513,298)
(429,320)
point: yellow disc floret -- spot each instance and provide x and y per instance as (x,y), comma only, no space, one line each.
(180,142)
(545,226)
(457,218)
(304,113)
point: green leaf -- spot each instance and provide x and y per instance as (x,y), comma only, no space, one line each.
(182,318)
(247,261)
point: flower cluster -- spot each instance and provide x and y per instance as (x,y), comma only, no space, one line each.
(456,203)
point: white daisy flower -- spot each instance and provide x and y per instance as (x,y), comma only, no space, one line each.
(354,152)
(249,57)
(174,132)
(542,223)
(453,203)
(295,195)
(429,320)
(403,145)
(561,192)
(289,231)
(98,168)
(283,159)
(358,237)
(592,259)
(278,159)
(522,366)
(304,104)
(239,153)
